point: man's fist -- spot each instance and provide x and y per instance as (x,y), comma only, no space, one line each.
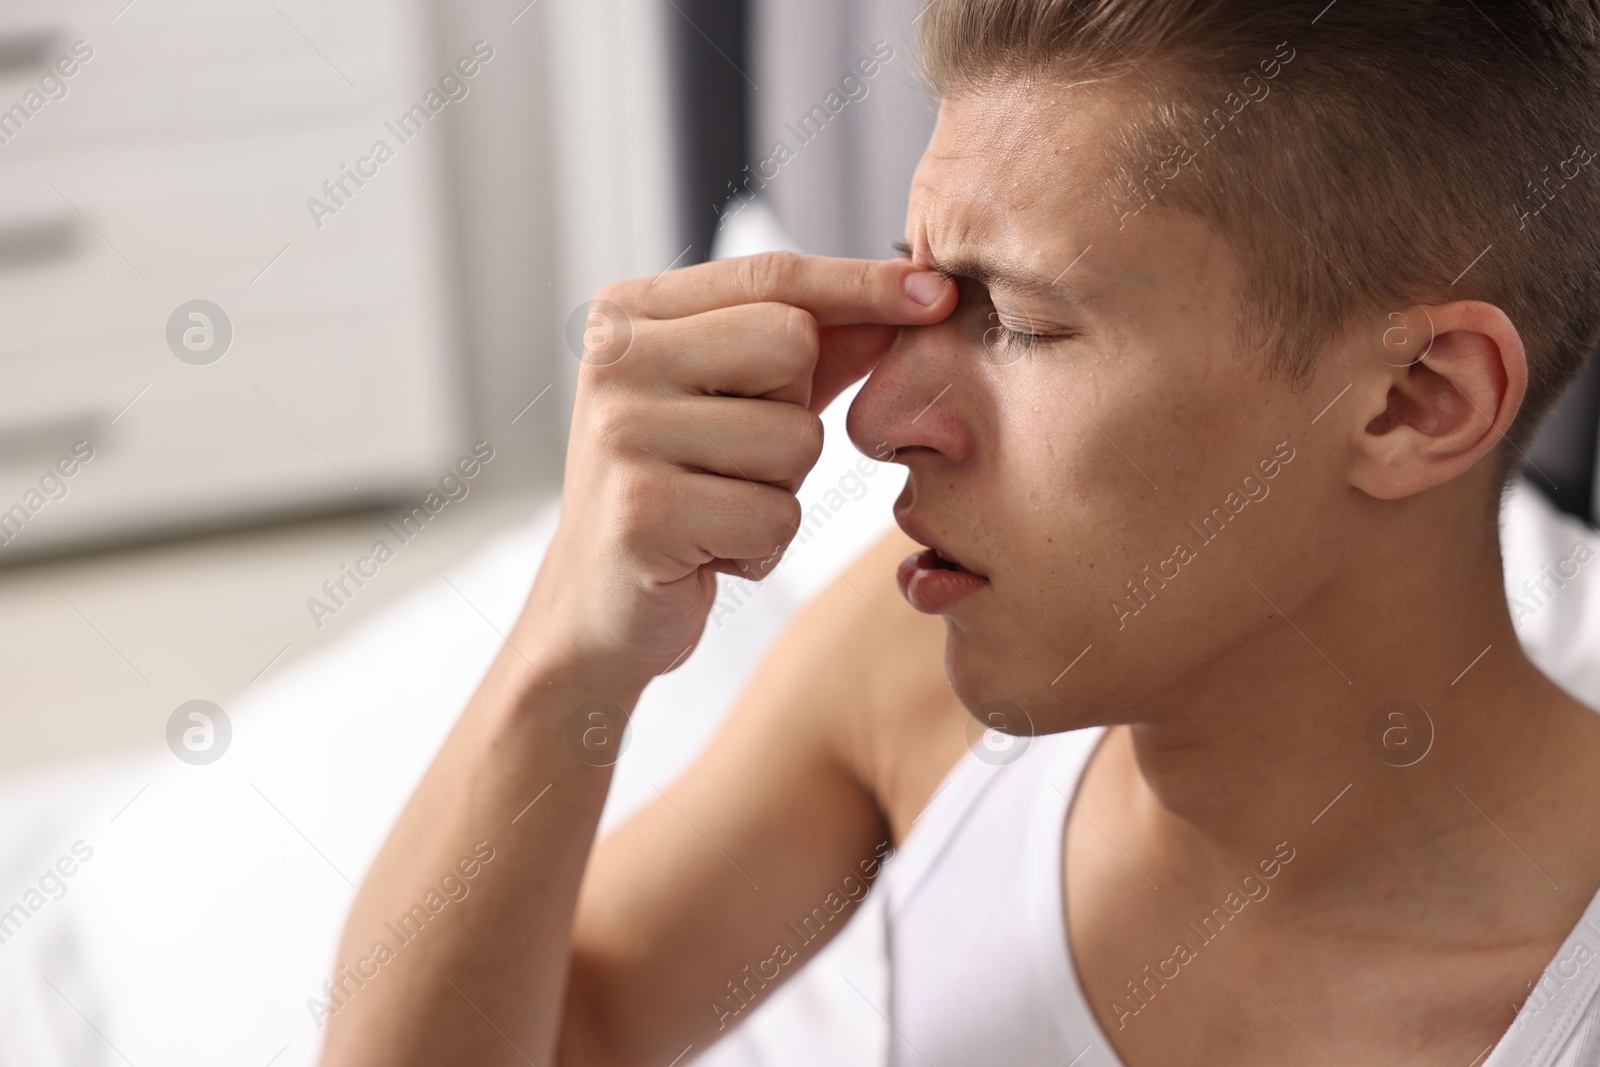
(695,421)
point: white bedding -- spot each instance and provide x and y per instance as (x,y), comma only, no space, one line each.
(208,913)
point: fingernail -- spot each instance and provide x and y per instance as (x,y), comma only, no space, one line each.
(925,287)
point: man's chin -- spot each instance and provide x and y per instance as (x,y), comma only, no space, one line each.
(996,687)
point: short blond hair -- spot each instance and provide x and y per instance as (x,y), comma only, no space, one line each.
(1360,156)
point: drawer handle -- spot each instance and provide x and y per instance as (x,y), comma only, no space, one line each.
(29,244)
(28,442)
(24,53)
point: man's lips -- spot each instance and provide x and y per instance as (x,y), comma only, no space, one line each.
(932,584)
(933,558)
(941,558)
(906,520)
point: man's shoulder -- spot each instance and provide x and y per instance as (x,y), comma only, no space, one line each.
(879,666)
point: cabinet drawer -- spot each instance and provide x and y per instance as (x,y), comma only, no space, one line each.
(176,166)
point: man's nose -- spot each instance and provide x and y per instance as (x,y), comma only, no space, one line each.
(918,397)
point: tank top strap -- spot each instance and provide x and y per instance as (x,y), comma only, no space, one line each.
(974,917)
(1049,765)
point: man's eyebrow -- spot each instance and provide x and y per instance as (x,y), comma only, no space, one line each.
(993,276)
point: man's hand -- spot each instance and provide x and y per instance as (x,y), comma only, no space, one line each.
(695,421)
(687,445)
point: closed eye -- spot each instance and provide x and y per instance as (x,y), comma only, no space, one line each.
(1012,342)
(1008,341)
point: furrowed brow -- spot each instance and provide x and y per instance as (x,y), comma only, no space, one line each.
(994,277)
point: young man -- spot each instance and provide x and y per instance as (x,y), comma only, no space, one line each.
(1221,325)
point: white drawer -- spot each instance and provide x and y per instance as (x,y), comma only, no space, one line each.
(176,167)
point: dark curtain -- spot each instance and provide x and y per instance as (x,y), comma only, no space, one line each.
(711,70)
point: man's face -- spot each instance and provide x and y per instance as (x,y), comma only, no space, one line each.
(1065,468)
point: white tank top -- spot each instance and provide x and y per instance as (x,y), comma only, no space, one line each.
(959,955)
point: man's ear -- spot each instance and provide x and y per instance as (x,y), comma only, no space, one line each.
(1440,389)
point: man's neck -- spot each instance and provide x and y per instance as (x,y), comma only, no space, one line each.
(1393,736)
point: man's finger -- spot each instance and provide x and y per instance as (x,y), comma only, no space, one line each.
(767,350)
(846,355)
(837,291)
(733,519)
(759,440)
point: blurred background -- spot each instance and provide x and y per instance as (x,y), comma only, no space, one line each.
(281,281)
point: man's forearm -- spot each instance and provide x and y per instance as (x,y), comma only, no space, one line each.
(456,950)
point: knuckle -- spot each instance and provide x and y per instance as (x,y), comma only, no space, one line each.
(595,379)
(618,425)
(608,432)
(618,293)
(632,495)
(606,331)
(769,274)
(867,276)
(642,503)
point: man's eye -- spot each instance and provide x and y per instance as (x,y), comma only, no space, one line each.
(1004,340)
(1006,344)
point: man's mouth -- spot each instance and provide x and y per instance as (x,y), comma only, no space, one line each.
(941,562)
(934,584)
(934,556)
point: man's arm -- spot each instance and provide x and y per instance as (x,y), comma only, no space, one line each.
(714,895)
(694,423)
